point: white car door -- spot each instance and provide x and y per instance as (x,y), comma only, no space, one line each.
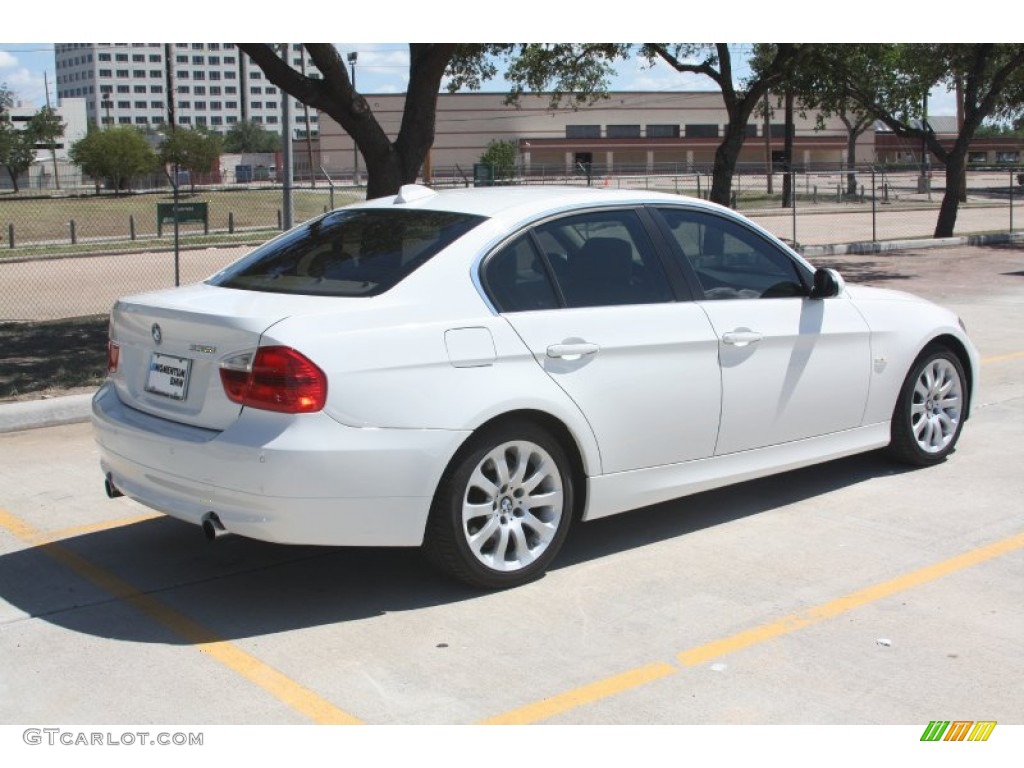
(793,367)
(589,297)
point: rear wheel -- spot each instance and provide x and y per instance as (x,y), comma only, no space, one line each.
(929,413)
(503,508)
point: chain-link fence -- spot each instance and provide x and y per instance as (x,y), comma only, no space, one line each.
(73,255)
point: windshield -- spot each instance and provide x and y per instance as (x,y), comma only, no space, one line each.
(352,252)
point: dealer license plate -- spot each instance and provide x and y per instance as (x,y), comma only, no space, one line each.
(168,376)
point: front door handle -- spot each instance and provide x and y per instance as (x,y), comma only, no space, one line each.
(573,349)
(741,337)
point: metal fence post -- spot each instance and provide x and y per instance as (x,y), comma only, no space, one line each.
(10,234)
(792,202)
(74,235)
(1011,200)
(874,199)
(131,226)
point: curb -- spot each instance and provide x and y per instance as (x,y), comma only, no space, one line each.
(73,409)
(865,248)
(33,414)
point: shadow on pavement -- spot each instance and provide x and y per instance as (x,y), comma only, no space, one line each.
(240,588)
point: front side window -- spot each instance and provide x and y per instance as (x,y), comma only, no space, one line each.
(731,261)
(361,252)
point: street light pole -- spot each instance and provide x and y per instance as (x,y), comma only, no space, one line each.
(353,57)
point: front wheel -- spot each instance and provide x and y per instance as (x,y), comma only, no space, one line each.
(502,509)
(929,413)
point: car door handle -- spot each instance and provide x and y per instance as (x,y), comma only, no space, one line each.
(741,337)
(574,349)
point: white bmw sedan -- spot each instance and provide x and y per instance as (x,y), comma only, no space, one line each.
(471,371)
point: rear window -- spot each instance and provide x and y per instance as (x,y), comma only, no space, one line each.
(359,252)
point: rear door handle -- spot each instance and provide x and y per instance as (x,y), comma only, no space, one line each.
(741,337)
(574,349)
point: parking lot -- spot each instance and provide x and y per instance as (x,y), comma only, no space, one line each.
(856,592)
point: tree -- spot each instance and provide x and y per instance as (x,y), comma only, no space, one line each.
(17,150)
(502,157)
(771,64)
(117,155)
(247,136)
(577,69)
(389,164)
(194,150)
(893,81)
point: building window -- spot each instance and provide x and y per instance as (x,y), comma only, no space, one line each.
(701,131)
(185,104)
(140,105)
(184,120)
(257,105)
(141,120)
(583,131)
(104,57)
(231,104)
(140,89)
(156,105)
(198,60)
(272,119)
(155,73)
(198,75)
(156,89)
(255,90)
(183,89)
(121,57)
(124,120)
(124,89)
(122,73)
(662,131)
(216,105)
(213,61)
(181,59)
(199,90)
(139,57)
(154,58)
(623,131)
(182,74)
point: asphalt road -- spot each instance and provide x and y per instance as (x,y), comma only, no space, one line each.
(856,592)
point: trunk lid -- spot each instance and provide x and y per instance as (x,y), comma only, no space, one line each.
(171,344)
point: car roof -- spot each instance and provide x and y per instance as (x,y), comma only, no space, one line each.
(519,203)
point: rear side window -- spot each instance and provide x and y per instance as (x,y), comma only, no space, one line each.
(356,252)
(603,258)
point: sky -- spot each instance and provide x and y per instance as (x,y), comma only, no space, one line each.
(382,66)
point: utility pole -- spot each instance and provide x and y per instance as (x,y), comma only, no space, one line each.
(353,57)
(768,143)
(53,149)
(286,147)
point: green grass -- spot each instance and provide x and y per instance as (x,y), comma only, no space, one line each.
(39,221)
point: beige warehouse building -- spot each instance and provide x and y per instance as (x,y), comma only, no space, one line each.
(627,132)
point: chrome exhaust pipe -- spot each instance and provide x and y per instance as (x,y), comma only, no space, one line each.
(213,528)
(110,488)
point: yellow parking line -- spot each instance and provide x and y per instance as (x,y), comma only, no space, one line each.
(1000,358)
(586,694)
(703,654)
(280,686)
(106,525)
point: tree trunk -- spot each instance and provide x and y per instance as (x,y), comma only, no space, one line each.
(14,180)
(726,155)
(384,173)
(951,200)
(851,162)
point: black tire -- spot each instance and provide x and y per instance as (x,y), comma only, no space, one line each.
(519,479)
(930,409)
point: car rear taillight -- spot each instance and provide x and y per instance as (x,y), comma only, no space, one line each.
(274,379)
(113,356)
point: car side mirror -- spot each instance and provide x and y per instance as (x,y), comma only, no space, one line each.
(827,283)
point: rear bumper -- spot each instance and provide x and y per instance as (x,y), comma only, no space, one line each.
(288,479)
